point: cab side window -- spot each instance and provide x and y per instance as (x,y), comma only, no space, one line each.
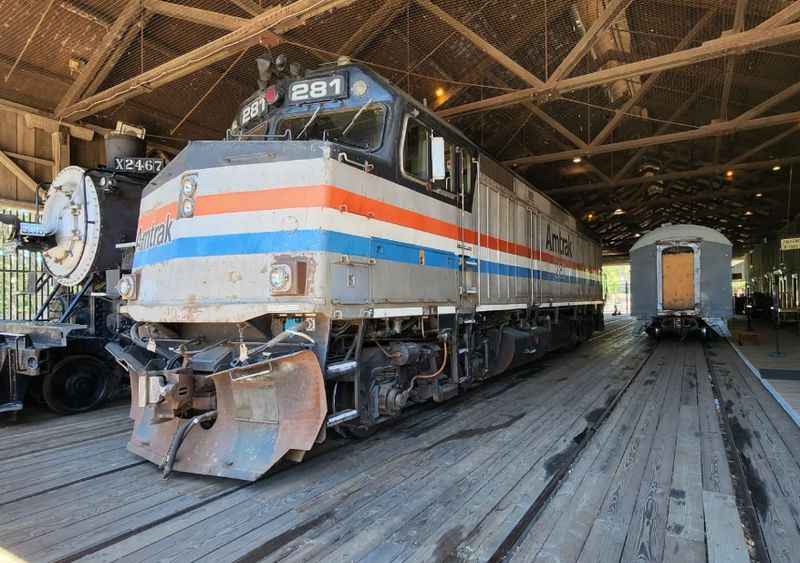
(417,151)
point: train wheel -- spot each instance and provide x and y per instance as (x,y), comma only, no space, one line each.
(77,384)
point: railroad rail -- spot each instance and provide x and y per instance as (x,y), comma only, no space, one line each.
(612,452)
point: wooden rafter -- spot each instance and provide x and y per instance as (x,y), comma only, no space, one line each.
(765,145)
(679,111)
(789,14)
(487,48)
(730,67)
(373,25)
(697,173)
(711,130)
(110,42)
(276,20)
(620,114)
(195,15)
(248,6)
(743,42)
(588,41)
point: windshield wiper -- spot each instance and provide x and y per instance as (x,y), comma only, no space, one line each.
(310,121)
(355,117)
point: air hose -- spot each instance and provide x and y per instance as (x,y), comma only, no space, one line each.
(178,438)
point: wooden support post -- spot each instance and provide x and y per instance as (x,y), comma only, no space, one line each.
(60,142)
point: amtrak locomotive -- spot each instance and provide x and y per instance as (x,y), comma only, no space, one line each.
(341,255)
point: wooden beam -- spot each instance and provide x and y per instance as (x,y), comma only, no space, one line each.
(786,16)
(711,130)
(730,66)
(766,144)
(697,173)
(195,15)
(15,204)
(587,42)
(620,114)
(248,6)
(277,20)
(490,50)
(28,158)
(738,43)
(679,111)
(771,102)
(374,24)
(110,41)
(116,54)
(21,175)
(40,120)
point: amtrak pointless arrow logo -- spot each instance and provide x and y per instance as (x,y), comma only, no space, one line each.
(156,235)
(558,243)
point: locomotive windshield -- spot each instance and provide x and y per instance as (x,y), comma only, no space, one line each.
(359,127)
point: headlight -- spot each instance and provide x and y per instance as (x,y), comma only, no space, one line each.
(189,185)
(280,277)
(126,287)
(187,208)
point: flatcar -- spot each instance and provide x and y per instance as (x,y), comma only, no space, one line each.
(340,256)
(681,280)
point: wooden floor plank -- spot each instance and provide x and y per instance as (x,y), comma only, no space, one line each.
(724,536)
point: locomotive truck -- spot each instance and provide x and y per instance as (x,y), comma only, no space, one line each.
(341,255)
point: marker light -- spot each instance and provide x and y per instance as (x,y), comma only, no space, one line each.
(272,95)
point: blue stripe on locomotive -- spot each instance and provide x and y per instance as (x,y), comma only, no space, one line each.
(317,240)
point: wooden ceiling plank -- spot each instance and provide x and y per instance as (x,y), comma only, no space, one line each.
(739,43)
(282,18)
(588,41)
(711,130)
(487,48)
(620,114)
(110,42)
(786,16)
(376,23)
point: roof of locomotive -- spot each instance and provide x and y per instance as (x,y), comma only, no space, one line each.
(681,233)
